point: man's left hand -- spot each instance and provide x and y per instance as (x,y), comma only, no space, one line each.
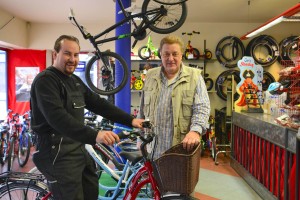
(191,140)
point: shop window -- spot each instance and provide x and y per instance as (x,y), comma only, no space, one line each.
(3,84)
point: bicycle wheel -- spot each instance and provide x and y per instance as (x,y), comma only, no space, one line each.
(194,55)
(209,83)
(24,149)
(214,148)
(4,147)
(23,191)
(172,16)
(100,73)
(144,53)
(11,153)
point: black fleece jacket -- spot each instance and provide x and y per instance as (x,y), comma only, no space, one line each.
(58,102)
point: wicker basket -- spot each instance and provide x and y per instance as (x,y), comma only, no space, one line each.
(178,170)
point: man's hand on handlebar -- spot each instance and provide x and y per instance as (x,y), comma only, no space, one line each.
(107,137)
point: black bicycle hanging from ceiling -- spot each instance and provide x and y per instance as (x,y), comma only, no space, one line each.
(229,51)
(264,49)
(160,16)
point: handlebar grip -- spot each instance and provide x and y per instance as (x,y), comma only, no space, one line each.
(196,32)
(123,135)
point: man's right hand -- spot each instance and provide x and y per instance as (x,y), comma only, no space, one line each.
(107,137)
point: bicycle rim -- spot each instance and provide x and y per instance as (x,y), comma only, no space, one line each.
(17,191)
(4,149)
(174,15)
(104,80)
(24,149)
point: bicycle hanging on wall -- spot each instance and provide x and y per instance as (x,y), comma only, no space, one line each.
(160,16)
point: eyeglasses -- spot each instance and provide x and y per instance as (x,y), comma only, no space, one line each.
(174,54)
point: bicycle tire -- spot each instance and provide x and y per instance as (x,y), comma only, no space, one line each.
(222,80)
(16,190)
(268,78)
(173,18)
(112,86)
(195,52)
(229,51)
(24,149)
(142,52)
(209,83)
(4,147)
(11,154)
(207,54)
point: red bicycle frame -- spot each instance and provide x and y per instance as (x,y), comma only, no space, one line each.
(136,186)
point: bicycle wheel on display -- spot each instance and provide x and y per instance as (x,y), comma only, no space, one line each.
(144,53)
(100,74)
(11,153)
(224,83)
(21,191)
(193,55)
(138,84)
(208,54)
(229,51)
(209,83)
(24,149)
(264,49)
(173,15)
(267,80)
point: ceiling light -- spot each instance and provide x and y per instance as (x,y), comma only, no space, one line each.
(292,14)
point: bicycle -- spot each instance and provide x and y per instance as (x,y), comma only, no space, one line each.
(139,177)
(192,53)
(148,51)
(160,16)
(19,143)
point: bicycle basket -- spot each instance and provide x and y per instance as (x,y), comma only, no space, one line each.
(178,169)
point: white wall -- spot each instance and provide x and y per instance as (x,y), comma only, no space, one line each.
(13,31)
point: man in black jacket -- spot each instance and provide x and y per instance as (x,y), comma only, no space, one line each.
(58,100)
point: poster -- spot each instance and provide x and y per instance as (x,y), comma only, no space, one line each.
(24,78)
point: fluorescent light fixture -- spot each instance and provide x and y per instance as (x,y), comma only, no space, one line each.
(265,27)
(291,15)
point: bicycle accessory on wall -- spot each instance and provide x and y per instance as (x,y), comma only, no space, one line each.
(264,49)
(224,83)
(229,51)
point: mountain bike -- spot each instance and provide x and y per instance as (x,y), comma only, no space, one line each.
(160,16)
(148,51)
(192,53)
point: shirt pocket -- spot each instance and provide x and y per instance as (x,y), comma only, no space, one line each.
(187,103)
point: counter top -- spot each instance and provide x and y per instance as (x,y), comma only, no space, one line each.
(263,125)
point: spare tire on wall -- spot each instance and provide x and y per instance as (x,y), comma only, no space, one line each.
(229,51)
(264,49)
(223,83)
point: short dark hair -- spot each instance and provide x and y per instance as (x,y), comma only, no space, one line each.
(57,44)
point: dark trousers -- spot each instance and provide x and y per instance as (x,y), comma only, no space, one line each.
(71,176)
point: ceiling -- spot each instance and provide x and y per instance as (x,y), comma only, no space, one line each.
(95,11)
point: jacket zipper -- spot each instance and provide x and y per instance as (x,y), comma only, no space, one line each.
(61,139)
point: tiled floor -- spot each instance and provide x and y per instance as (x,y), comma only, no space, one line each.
(221,181)
(215,181)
